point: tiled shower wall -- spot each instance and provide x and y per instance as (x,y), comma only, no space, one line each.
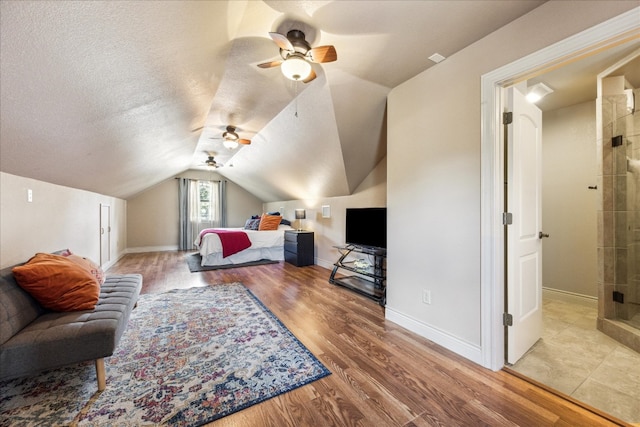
(619,220)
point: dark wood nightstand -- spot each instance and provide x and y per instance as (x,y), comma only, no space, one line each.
(298,247)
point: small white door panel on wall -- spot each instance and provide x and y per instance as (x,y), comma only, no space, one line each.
(524,244)
(105,234)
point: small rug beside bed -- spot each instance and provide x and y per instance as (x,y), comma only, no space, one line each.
(194,260)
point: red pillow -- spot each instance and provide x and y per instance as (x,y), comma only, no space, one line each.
(269,222)
(58,283)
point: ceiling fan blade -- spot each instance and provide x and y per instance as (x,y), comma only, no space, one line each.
(282,41)
(312,76)
(322,54)
(244,141)
(270,64)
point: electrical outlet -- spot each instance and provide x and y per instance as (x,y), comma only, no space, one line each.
(426,296)
(29,195)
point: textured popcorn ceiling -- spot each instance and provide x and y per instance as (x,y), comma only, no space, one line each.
(114,97)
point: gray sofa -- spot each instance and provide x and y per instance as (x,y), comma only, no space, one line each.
(33,339)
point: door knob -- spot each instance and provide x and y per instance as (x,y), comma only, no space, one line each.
(542,235)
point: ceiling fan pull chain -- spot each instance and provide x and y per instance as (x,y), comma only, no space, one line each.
(296,95)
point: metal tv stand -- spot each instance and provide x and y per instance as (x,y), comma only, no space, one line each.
(371,280)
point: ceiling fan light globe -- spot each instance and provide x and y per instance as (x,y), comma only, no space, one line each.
(295,68)
(231,144)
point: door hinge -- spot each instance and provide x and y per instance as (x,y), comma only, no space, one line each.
(507,319)
(507,118)
(507,218)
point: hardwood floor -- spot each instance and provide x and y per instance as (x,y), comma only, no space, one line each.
(382,374)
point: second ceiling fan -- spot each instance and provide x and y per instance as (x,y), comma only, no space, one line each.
(297,56)
(231,139)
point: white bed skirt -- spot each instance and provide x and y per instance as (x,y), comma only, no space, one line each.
(273,253)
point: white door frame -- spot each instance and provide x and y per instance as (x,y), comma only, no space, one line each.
(615,31)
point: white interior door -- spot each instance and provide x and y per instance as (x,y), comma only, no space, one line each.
(524,241)
(105,234)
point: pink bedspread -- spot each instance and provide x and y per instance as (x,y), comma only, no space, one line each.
(232,241)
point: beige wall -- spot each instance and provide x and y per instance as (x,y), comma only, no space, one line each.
(329,232)
(153,218)
(153,214)
(434,188)
(57,218)
(569,207)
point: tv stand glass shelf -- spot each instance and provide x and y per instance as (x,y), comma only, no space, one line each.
(370,279)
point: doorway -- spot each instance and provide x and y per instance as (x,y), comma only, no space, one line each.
(573,356)
(622,32)
(610,37)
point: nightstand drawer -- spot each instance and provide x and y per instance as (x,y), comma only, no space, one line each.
(291,236)
(291,246)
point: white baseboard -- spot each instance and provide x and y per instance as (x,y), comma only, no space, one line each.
(570,297)
(464,349)
(326,264)
(151,249)
(111,262)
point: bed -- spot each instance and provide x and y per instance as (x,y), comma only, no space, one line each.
(265,244)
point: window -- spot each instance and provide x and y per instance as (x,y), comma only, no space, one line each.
(205,191)
(201,206)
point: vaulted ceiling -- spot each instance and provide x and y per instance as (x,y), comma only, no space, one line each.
(114,97)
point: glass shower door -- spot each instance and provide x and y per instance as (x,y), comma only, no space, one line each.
(625,142)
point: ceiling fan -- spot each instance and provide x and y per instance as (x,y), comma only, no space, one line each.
(211,162)
(231,139)
(297,56)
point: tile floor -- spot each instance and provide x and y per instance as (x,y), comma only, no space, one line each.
(575,358)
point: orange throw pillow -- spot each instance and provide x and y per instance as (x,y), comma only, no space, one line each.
(58,283)
(269,222)
(93,268)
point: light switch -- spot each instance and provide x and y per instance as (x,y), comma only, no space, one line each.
(29,195)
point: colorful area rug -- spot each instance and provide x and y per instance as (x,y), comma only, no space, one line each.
(188,357)
(194,260)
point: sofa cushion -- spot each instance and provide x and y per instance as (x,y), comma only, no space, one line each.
(17,307)
(58,283)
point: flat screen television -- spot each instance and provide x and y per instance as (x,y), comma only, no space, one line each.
(366,227)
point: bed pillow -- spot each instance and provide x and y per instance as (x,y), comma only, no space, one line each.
(269,222)
(252,224)
(58,283)
(93,268)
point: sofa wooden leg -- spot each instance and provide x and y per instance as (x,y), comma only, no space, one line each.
(100,373)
